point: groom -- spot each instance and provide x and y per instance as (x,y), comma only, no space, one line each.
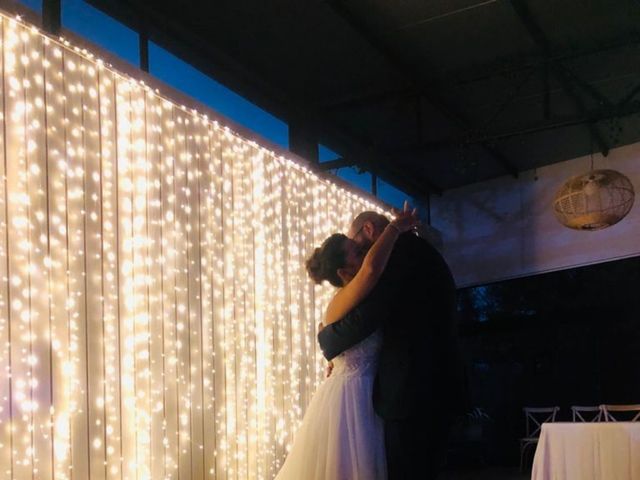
(419,385)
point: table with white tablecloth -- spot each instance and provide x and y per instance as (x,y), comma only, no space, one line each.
(588,451)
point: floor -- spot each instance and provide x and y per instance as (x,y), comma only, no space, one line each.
(489,473)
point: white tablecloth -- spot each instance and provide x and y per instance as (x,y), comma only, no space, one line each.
(588,451)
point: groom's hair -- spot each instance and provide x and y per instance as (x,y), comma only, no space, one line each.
(378,220)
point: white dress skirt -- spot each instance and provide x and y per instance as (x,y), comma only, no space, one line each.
(341,437)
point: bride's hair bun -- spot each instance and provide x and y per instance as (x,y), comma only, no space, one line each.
(314,266)
(325,261)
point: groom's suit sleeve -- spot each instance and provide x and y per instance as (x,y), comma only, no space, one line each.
(357,325)
(364,319)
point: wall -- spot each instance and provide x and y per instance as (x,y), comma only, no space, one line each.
(156,320)
(506,228)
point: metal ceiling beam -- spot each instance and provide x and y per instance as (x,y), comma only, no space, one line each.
(623,109)
(337,163)
(217,64)
(629,96)
(505,67)
(537,34)
(508,66)
(369,99)
(509,97)
(414,76)
(348,162)
(587,87)
(372,160)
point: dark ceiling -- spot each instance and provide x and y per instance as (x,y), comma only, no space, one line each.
(431,95)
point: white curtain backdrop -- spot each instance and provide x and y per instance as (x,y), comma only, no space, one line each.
(156,319)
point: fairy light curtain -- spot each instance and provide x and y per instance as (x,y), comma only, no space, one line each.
(156,320)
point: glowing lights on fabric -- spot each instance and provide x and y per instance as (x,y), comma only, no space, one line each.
(156,320)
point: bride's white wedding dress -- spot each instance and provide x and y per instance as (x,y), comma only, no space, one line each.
(341,437)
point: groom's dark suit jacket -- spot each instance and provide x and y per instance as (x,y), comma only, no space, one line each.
(414,303)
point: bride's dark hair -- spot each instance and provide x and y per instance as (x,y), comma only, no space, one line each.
(325,261)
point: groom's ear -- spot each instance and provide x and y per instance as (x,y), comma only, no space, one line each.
(369,229)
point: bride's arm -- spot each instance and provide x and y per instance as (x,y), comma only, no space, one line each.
(372,267)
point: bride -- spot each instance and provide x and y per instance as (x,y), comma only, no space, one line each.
(341,437)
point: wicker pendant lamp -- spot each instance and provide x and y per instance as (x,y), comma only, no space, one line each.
(594,200)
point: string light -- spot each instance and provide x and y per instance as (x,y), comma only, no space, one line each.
(156,319)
